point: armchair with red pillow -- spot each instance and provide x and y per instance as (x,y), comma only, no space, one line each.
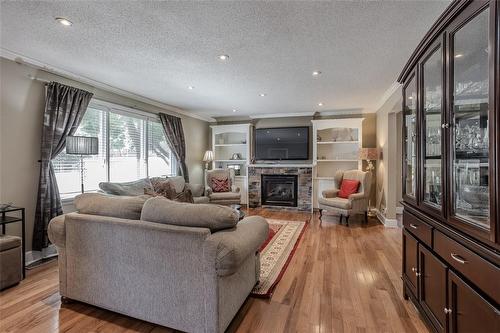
(350,195)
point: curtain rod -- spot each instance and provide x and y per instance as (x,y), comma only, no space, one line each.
(38,79)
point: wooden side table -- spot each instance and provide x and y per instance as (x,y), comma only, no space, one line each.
(8,219)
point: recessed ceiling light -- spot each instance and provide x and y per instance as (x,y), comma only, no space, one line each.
(223,57)
(190,87)
(234,110)
(64,21)
(410,97)
(459,55)
(316,73)
(262,95)
(320,104)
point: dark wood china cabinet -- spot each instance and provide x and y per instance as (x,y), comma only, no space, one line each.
(451,170)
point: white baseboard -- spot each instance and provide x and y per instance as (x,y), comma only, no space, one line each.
(34,256)
(388,223)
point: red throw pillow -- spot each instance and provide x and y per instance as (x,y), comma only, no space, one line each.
(348,187)
(220,185)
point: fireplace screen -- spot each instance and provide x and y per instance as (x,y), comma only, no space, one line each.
(279,190)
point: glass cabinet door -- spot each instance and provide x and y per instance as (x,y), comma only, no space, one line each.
(432,78)
(410,135)
(469,134)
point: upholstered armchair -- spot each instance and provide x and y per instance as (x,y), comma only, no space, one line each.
(356,203)
(229,197)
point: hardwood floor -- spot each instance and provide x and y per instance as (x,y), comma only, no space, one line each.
(341,279)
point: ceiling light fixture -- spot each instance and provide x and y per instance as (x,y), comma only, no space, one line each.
(320,104)
(234,110)
(190,87)
(64,21)
(316,73)
(223,57)
(262,95)
(459,55)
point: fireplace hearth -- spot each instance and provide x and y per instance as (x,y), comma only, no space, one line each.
(279,190)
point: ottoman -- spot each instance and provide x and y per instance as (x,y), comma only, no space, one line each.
(11,270)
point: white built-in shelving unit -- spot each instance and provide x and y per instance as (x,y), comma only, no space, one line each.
(336,144)
(227,142)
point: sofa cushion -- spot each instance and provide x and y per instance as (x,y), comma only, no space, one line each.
(213,217)
(124,207)
(199,200)
(225,195)
(129,188)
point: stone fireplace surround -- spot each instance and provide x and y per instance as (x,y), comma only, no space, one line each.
(304,184)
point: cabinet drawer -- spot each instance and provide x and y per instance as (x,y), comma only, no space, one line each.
(481,272)
(417,227)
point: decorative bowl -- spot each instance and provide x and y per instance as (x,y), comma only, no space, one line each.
(5,205)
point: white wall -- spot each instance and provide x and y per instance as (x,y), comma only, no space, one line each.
(389,166)
(21,112)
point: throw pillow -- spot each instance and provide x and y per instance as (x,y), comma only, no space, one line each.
(167,189)
(220,185)
(348,187)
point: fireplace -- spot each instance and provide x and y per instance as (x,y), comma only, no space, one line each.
(279,190)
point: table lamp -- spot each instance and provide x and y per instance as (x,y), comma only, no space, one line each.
(369,154)
(208,157)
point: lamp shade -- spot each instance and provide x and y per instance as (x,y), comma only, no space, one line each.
(82,145)
(370,154)
(209,156)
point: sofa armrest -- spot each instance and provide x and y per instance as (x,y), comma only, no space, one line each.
(196,189)
(57,231)
(330,193)
(235,189)
(233,246)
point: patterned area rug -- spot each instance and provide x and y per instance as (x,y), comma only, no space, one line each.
(276,253)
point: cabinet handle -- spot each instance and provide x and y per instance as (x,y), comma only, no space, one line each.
(458,258)
(417,274)
(445,125)
(413,269)
(447,311)
(413,226)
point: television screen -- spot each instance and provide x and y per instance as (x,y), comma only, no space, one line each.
(287,143)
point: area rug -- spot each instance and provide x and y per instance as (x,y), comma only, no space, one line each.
(276,253)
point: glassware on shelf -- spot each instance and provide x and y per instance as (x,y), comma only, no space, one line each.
(470,179)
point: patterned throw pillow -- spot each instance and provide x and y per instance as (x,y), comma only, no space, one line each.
(167,190)
(220,185)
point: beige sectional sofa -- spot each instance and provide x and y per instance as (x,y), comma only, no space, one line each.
(184,266)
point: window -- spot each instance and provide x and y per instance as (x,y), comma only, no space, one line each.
(137,149)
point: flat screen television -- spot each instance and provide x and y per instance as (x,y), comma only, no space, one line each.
(284,143)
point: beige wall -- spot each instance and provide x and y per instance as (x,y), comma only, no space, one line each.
(389,166)
(21,111)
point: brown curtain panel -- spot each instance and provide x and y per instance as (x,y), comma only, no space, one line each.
(174,133)
(64,109)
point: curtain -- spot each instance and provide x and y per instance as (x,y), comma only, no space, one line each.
(172,126)
(64,109)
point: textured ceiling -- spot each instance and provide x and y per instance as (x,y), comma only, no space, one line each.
(158,49)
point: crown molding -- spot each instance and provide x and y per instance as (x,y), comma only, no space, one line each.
(282,115)
(22,59)
(387,95)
